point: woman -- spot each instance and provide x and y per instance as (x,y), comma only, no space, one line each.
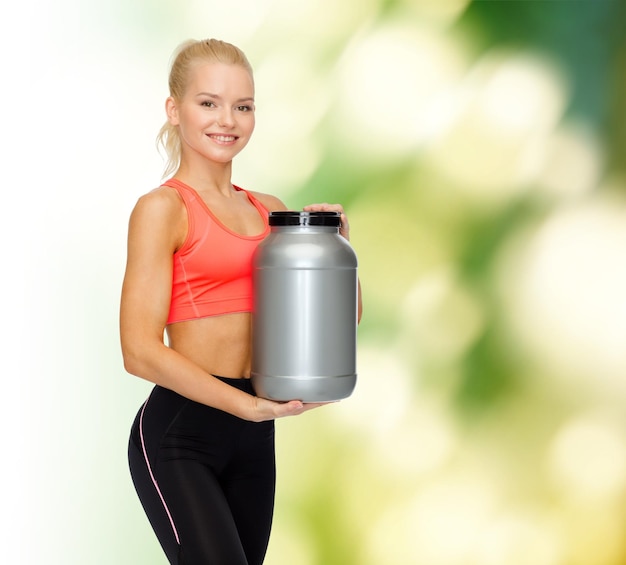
(201,450)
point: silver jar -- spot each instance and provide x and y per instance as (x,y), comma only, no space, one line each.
(305,309)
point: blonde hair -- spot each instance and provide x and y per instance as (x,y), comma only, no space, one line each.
(186,56)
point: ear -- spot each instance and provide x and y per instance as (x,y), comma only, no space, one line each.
(172,111)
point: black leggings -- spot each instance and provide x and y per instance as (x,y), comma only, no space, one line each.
(205,478)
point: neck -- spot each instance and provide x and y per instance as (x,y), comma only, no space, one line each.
(207,176)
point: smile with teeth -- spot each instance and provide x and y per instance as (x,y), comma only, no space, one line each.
(223,138)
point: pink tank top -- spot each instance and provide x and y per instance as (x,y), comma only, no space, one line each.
(213,268)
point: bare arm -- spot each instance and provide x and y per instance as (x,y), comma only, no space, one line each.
(157,227)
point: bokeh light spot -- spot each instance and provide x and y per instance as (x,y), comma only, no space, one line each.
(587,459)
(390,79)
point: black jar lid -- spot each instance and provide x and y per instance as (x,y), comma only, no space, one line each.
(294,218)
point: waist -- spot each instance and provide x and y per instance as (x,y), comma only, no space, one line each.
(221,345)
(242,383)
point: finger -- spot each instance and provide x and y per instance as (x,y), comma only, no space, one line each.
(291,408)
(344,227)
(311,405)
(296,407)
(325,206)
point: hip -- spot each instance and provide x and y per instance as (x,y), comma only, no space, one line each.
(170,425)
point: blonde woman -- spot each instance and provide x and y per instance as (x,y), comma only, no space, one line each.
(201,450)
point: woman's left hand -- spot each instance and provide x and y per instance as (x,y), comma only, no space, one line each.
(344,229)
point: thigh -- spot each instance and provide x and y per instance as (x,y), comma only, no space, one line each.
(153,418)
(152,503)
(249,484)
(179,491)
(206,528)
(251,502)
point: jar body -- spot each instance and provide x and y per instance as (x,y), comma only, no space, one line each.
(305,315)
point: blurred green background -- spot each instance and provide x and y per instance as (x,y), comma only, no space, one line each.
(478,148)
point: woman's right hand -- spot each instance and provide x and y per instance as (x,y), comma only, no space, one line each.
(264,409)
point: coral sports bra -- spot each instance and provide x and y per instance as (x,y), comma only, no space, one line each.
(213,268)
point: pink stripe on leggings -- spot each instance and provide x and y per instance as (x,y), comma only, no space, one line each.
(156,486)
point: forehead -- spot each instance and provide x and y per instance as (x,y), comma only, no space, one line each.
(219,78)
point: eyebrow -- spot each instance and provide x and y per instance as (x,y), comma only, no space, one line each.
(218,97)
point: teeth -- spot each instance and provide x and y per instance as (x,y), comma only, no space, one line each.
(224,138)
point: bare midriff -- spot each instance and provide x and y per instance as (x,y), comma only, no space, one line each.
(221,345)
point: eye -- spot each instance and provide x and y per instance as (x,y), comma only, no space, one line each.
(207,104)
(244,108)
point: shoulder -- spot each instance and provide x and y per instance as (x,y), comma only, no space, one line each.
(159,216)
(271,202)
(162,202)
(164,196)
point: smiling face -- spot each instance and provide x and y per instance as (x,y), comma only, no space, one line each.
(215,116)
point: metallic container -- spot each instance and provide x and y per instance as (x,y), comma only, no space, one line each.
(305,310)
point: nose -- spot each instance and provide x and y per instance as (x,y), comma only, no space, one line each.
(226,118)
